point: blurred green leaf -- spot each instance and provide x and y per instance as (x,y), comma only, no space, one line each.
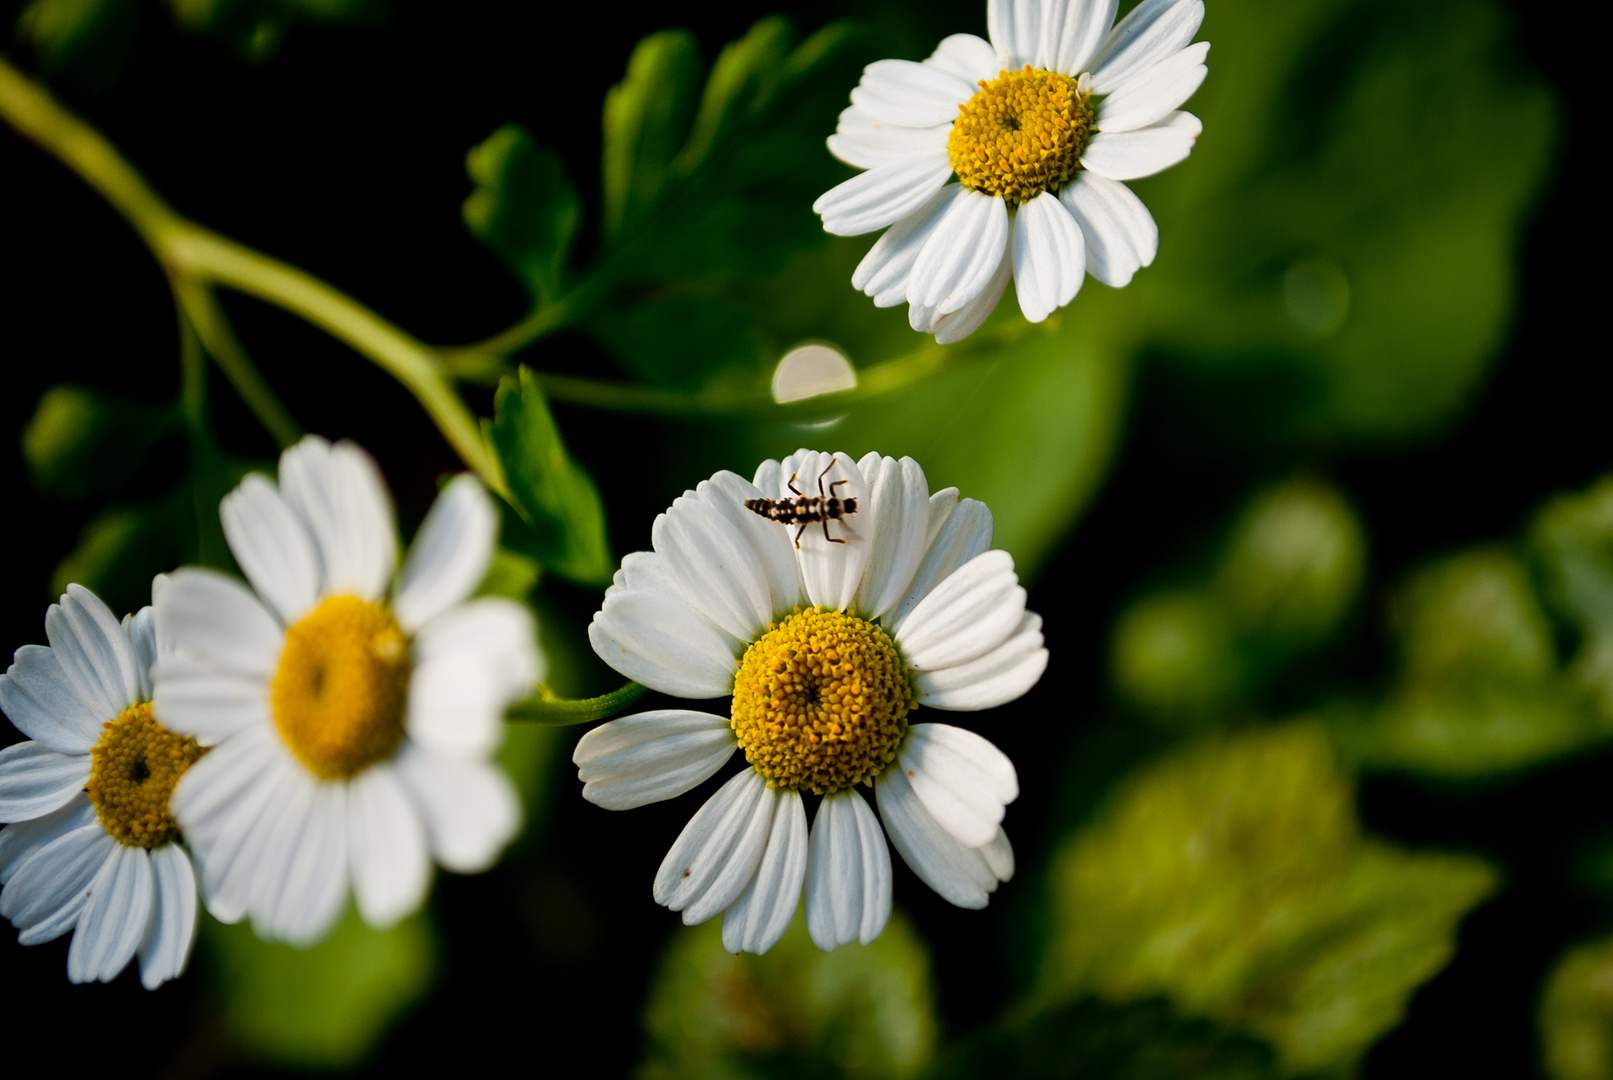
(510,574)
(120,551)
(564,520)
(1572,540)
(1576,1015)
(860,1011)
(257,28)
(1142,1040)
(524,207)
(1175,654)
(1479,692)
(88,40)
(1337,257)
(325,1007)
(1232,877)
(81,444)
(646,118)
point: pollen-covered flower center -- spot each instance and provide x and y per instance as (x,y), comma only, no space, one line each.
(133,770)
(820,701)
(339,693)
(1021,134)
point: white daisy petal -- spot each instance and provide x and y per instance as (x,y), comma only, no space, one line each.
(1049,256)
(274,843)
(386,847)
(216,620)
(996,678)
(969,614)
(141,627)
(1131,155)
(209,704)
(957,325)
(272,546)
(763,911)
(654,639)
(338,493)
(1086,24)
(877,198)
(968,57)
(883,273)
(848,877)
(1120,233)
(867,143)
(959,530)
(910,94)
(962,254)
(714,567)
(114,919)
(172,929)
(313,885)
(651,756)
(208,797)
(768,544)
(962,780)
(469,808)
(899,508)
(469,663)
(830,569)
(962,876)
(716,856)
(1149,94)
(44,895)
(43,703)
(20,840)
(1153,31)
(34,780)
(94,652)
(1015,28)
(450,553)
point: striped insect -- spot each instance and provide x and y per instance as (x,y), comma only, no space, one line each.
(804,510)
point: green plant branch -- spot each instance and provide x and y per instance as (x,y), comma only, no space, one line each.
(541,708)
(189,252)
(207,320)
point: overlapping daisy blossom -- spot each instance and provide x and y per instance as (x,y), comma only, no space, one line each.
(351,716)
(1007,158)
(90,848)
(823,649)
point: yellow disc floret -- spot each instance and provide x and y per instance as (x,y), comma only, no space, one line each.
(133,770)
(339,693)
(820,703)
(1021,135)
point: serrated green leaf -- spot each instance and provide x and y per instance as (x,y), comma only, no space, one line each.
(860,1011)
(1233,878)
(1576,1015)
(524,207)
(742,81)
(647,117)
(562,521)
(1572,541)
(81,444)
(325,1007)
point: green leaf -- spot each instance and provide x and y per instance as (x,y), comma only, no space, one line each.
(1142,1040)
(1576,1015)
(1233,879)
(510,574)
(524,207)
(795,1011)
(121,550)
(257,28)
(1572,541)
(87,40)
(1334,264)
(1176,654)
(81,444)
(1479,693)
(562,518)
(647,117)
(326,1007)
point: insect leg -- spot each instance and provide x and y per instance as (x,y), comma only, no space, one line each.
(821,475)
(792,484)
(831,539)
(798,533)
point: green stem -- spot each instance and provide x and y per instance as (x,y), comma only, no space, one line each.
(558,712)
(212,326)
(188,251)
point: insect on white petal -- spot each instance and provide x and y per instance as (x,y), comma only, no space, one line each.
(804,510)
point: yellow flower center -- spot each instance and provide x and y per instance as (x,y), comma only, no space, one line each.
(1021,135)
(133,770)
(820,701)
(339,693)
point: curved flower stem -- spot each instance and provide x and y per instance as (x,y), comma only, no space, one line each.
(191,254)
(559,712)
(206,319)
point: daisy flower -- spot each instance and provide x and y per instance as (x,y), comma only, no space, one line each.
(92,846)
(825,619)
(351,716)
(1007,158)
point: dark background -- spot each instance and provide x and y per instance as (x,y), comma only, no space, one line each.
(344,155)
